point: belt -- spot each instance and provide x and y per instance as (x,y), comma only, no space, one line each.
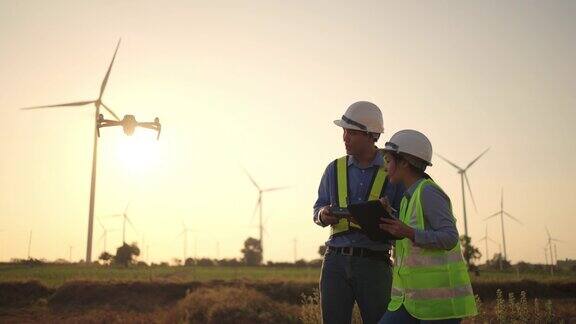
(359,252)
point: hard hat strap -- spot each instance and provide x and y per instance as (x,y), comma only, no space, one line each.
(355,123)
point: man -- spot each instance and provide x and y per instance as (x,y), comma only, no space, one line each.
(355,268)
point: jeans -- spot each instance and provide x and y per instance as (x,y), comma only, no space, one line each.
(348,279)
(401,315)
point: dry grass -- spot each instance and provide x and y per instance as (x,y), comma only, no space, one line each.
(311,311)
(241,301)
(231,305)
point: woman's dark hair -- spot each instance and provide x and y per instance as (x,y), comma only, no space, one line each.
(411,161)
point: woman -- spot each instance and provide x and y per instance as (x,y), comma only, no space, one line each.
(430,278)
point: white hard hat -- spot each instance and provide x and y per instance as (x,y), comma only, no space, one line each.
(363,116)
(411,142)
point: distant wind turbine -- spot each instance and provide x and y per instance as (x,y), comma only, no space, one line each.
(104,236)
(486,238)
(70,247)
(125,219)
(464,178)
(97,103)
(553,259)
(258,208)
(29,244)
(184,233)
(502,212)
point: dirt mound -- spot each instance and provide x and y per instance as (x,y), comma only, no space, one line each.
(21,294)
(138,296)
(231,305)
(284,291)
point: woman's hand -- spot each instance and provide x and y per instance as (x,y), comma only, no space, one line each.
(397,228)
(386,204)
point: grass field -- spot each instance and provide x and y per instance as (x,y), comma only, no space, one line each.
(99,294)
(56,275)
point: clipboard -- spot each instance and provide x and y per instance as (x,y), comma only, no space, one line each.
(368,215)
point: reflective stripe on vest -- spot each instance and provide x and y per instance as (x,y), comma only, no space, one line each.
(378,183)
(435,293)
(431,283)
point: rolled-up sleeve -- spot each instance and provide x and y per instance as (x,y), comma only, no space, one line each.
(323,195)
(440,226)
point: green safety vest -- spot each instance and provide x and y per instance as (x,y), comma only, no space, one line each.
(379,181)
(432,284)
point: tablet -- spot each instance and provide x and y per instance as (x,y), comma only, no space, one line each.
(368,216)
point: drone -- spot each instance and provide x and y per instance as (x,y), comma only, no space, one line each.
(129,124)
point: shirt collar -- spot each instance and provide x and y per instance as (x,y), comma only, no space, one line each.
(378,160)
(410,191)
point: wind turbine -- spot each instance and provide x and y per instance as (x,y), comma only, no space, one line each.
(295,241)
(97,103)
(258,208)
(185,231)
(464,178)
(29,244)
(553,259)
(125,219)
(486,238)
(502,212)
(104,235)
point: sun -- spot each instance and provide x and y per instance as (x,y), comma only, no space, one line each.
(140,152)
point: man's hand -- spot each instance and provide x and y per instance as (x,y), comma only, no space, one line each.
(326,217)
(397,228)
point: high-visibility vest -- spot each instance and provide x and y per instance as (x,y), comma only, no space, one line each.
(432,284)
(379,181)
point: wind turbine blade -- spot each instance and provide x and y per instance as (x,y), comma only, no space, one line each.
(555,240)
(110,111)
(70,104)
(470,191)
(476,159)
(126,209)
(255,210)
(547,232)
(447,161)
(493,215)
(491,240)
(131,225)
(105,81)
(252,180)
(275,189)
(519,222)
(101,225)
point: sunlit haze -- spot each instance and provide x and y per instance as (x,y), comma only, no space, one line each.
(256,85)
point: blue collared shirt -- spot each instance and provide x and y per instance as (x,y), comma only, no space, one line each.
(359,180)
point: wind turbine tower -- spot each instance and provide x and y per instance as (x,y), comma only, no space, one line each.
(502,212)
(464,178)
(258,208)
(125,219)
(98,104)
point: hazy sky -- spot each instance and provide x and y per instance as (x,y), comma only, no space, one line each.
(258,84)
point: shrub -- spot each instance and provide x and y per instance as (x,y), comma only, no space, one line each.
(231,305)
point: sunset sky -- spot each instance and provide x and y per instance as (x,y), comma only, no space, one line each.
(256,85)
